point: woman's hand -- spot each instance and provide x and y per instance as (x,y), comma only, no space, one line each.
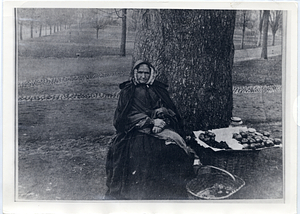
(156,129)
(159,123)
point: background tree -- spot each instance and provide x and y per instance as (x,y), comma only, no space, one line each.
(243,21)
(20,19)
(264,51)
(26,17)
(275,22)
(125,13)
(49,15)
(32,19)
(37,19)
(123,35)
(132,19)
(99,21)
(260,27)
(194,49)
(123,17)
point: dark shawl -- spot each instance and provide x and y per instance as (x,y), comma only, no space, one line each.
(125,101)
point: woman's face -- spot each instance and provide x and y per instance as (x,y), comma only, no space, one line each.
(143,74)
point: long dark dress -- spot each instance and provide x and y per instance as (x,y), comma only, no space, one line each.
(139,165)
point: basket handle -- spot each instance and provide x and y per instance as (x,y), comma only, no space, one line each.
(223,170)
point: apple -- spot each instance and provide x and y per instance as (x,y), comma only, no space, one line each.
(251,130)
(271,139)
(201,136)
(238,137)
(244,140)
(252,146)
(251,141)
(269,143)
(234,135)
(277,141)
(206,139)
(243,134)
(258,145)
(258,139)
(211,134)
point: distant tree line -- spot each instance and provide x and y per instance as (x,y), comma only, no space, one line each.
(54,19)
(252,20)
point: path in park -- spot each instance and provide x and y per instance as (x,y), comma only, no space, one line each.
(254,53)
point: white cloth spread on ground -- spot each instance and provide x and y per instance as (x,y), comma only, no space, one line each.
(223,134)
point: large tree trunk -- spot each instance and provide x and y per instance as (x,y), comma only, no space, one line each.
(97,34)
(194,49)
(123,36)
(264,51)
(149,42)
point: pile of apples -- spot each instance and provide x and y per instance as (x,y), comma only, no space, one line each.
(209,138)
(254,140)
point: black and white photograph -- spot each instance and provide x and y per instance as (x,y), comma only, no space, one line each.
(141,104)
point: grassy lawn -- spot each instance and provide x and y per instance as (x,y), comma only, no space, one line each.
(62,143)
(69,43)
(258,72)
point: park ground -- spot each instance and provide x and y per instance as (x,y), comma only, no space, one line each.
(65,109)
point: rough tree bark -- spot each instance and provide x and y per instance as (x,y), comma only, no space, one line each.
(264,50)
(194,50)
(123,36)
(148,43)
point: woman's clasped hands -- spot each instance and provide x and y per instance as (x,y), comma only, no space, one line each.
(159,125)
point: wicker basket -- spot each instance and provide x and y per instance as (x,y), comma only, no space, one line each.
(213,183)
(241,163)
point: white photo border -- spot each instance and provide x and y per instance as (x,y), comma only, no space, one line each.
(289,120)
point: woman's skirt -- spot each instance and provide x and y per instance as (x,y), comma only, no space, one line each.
(140,166)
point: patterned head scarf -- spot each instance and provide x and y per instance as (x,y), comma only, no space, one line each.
(153,73)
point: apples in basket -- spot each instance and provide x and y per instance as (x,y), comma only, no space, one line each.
(213,183)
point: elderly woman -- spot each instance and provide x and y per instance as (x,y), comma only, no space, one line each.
(148,158)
